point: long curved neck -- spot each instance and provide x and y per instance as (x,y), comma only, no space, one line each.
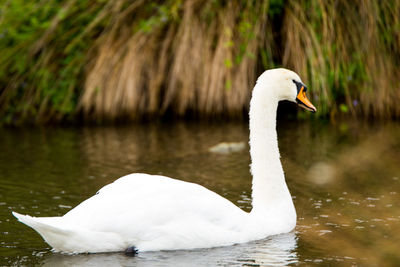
(270,191)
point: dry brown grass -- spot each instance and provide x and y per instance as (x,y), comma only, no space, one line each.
(188,66)
(191,65)
(108,60)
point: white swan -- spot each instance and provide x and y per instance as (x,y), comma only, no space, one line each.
(151,212)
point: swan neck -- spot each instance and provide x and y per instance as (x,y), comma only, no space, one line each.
(269,189)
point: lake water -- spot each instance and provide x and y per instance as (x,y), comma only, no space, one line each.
(344,178)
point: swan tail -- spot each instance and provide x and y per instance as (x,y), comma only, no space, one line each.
(65,238)
(47,228)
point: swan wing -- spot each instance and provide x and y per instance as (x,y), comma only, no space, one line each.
(153,212)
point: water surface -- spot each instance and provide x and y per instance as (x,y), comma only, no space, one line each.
(344,179)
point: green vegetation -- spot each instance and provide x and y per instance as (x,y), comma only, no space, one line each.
(105,60)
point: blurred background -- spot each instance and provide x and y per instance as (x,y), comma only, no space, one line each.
(70,61)
(94,90)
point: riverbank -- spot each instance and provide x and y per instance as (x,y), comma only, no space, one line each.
(122,60)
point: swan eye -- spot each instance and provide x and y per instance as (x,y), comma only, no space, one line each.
(300,86)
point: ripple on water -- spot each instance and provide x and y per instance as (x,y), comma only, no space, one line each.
(41,164)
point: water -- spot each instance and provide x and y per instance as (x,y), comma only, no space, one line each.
(344,179)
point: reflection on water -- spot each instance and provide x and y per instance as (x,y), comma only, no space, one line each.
(273,251)
(344,178)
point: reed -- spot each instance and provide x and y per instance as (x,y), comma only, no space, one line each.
(202,61)
(106,60)
(349,53)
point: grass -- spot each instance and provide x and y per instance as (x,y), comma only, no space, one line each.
(106,60)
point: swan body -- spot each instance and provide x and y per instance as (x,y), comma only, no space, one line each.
(151,212)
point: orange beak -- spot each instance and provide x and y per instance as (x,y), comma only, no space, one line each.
(303,101)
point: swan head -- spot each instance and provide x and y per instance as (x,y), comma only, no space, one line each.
(288,86)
